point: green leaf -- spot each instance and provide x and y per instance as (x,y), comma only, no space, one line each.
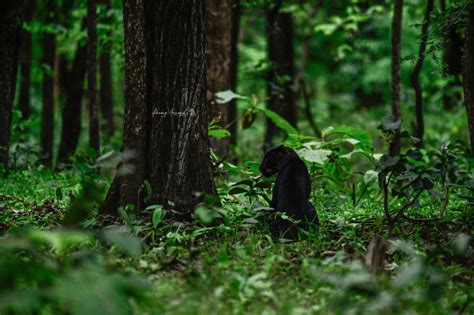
(388,161)
(279,121)
(227,96)
(315,156)
(158,214)
(123,240)
(237,190)
(216,131)
(60,241)
(206,215)
(388,124)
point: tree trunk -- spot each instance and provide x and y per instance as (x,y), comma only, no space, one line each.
(396,43)
(94,132)
(452,60)
(218,53)
(469,74)
(415,75)
(47,111)
(280,49)
(127,185)
(10,32)
(234,64)
(165,128)
(106,101)
(25,63)
(73,82)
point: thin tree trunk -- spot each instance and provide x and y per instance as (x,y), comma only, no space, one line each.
(128,183)
(415,75)
(396,43)
(469,74)
(73,82)
(106,100)
(25,64)
(234,64)
(300,75)
(10,33)
(170,133)
(282,98)
(94,131)
(47,112)
(218,52)
(452,60)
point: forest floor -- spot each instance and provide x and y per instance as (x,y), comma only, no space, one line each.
(230,267)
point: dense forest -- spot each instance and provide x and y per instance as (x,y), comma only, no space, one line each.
(236,157)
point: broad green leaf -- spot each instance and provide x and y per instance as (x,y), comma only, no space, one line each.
(158,214)
(216,131)
(315,156)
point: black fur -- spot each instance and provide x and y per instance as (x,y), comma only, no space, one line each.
(292,187)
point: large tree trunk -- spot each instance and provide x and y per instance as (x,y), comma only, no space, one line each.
(25,63)
(94,132)
(10,32)
(452,60)
(165,128)
(280,48)
(415,75)
(47,111)
(106,101)
(234,64)
(73,83)
(469,74)
(219,36)
(396,43)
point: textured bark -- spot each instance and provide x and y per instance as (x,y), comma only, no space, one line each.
(106,101)
(468,74)
(93,108)
(131,172)
(234,64)
(396,42)
(47,111)
(452,60)
(280,49)
(178,154)
(415,75)
(73,82)
(218,53)
(25,63)
(167,137)
(10,32)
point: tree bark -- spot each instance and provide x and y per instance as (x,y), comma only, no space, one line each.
(126,187)
(468,74)
(47,111)
(452,60)
(415,75)
(73,82)
(396,43)
(280,49)
(218,53)
(234,64)
(10,33)
(106,100)
(25,63)
(165,129)
(94,131)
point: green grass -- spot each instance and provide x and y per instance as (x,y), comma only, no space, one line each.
(237,268)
